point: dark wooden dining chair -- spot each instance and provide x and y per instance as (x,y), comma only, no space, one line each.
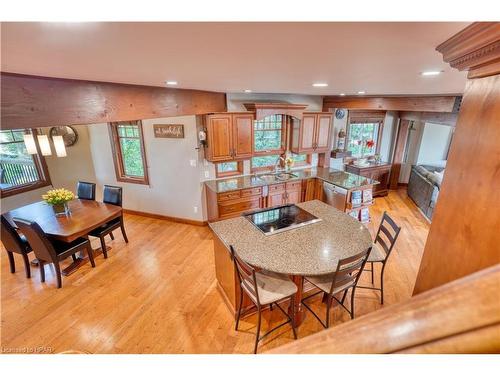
(344,278)
(52,251)
(14,242)
(263,288)
(112,195)
(85,190)
(387,234)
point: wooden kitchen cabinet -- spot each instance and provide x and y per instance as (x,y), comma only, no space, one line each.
(312,134)
(286,193)
(377,172)
(229,136)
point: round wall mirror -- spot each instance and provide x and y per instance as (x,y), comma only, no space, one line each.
(69,134)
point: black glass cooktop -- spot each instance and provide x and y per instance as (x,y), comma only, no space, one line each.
(278,219)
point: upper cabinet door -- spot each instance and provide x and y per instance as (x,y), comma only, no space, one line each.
(323,132)
(307,135)
(243,135)
(220,142)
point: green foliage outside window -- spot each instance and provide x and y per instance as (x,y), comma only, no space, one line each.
(130,145)
(17,167)
(227,167)
(302,158)
(359,134)
(267,133)
(264,161)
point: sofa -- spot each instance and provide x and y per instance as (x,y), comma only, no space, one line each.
(423,187)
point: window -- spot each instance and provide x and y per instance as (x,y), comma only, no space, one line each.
(231,168)
(361,136)
(300,159)
(268,141)
(260,163)
(19,170)
(129,157)
(269,135)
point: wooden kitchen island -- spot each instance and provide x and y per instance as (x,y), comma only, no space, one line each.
(313,249)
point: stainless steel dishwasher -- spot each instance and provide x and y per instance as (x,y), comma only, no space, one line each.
(334,196)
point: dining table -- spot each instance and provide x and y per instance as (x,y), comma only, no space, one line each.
(310,250)
(83,217)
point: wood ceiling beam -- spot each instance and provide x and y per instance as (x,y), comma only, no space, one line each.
(33,101)
(443,118)
(427,103)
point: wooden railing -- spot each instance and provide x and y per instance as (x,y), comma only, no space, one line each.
(16,172)
(462,316)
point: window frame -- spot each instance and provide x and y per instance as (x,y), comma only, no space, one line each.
(281,150)
(380,125)
(262,169)
(304,163)
(237,172)
(41,168)
(271,167)
(118,156)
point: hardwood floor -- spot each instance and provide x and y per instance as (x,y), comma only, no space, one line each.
(158,294)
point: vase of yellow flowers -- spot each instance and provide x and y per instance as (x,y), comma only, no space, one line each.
(58,199)
(289,163)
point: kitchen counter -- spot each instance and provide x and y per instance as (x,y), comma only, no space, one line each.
(313,249)
(336,177)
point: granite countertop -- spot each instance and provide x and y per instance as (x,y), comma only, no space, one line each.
(370,164)
(313,249)
(334,176)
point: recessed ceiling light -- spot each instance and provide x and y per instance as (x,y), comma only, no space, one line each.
(172,83)
(361,92)
(247,90)
(431,73)
(320,84)
(342,94)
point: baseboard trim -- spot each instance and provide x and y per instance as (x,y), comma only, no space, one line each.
(164,217)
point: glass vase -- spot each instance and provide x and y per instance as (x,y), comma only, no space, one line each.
(61,209)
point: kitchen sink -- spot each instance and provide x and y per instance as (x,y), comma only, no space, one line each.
(276,177)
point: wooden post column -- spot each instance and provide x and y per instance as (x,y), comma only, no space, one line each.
(465,233)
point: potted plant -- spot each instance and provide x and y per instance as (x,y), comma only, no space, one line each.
(58,199)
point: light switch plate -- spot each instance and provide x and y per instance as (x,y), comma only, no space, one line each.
(192,162)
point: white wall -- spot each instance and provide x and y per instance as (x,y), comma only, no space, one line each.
(76,166)
(338,124)
(175,186)
(435,143)
(235,100)
(387,141)
(64,172)
(413,142)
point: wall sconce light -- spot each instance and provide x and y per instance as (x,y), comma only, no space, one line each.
(29,142)
(59,146)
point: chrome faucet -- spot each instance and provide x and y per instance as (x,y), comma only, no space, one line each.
(276,169)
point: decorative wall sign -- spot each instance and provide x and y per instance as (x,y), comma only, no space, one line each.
(168,130)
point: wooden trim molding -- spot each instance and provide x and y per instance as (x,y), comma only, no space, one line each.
(33,101)
(459,317)
(427,103)
(476,49)
(266,109)
(463,237)
(164,217)
(118,154)
(238,171)
(41,168)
